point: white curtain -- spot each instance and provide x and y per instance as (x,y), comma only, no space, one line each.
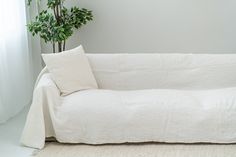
(16,69)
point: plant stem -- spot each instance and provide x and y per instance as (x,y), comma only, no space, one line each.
(64,45)
(58,15)
(60,6)
(54,11)
(59,47)
(53,47)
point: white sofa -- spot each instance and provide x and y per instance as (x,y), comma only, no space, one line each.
(182,98)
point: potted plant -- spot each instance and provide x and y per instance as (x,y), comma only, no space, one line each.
(57,23)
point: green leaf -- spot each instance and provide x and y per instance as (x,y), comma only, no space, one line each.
(57,28)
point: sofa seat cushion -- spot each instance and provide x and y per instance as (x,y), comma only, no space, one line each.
(104,116)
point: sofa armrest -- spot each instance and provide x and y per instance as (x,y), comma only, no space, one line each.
(46,83)
(39,124)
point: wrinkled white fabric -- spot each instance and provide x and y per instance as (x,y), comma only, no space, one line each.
(105,116)
(171,71)
(193,108)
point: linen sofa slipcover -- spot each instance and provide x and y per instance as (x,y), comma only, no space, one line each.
(185,98)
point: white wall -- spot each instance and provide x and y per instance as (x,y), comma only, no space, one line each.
(128,26)
(34,42)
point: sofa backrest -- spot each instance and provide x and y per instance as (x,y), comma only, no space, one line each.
(170,71)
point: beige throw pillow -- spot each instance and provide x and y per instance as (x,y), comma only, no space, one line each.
(70,70)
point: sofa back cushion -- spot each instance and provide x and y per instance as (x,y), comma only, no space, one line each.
(171,71)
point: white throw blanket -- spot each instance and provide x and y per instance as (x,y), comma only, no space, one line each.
(106,116)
